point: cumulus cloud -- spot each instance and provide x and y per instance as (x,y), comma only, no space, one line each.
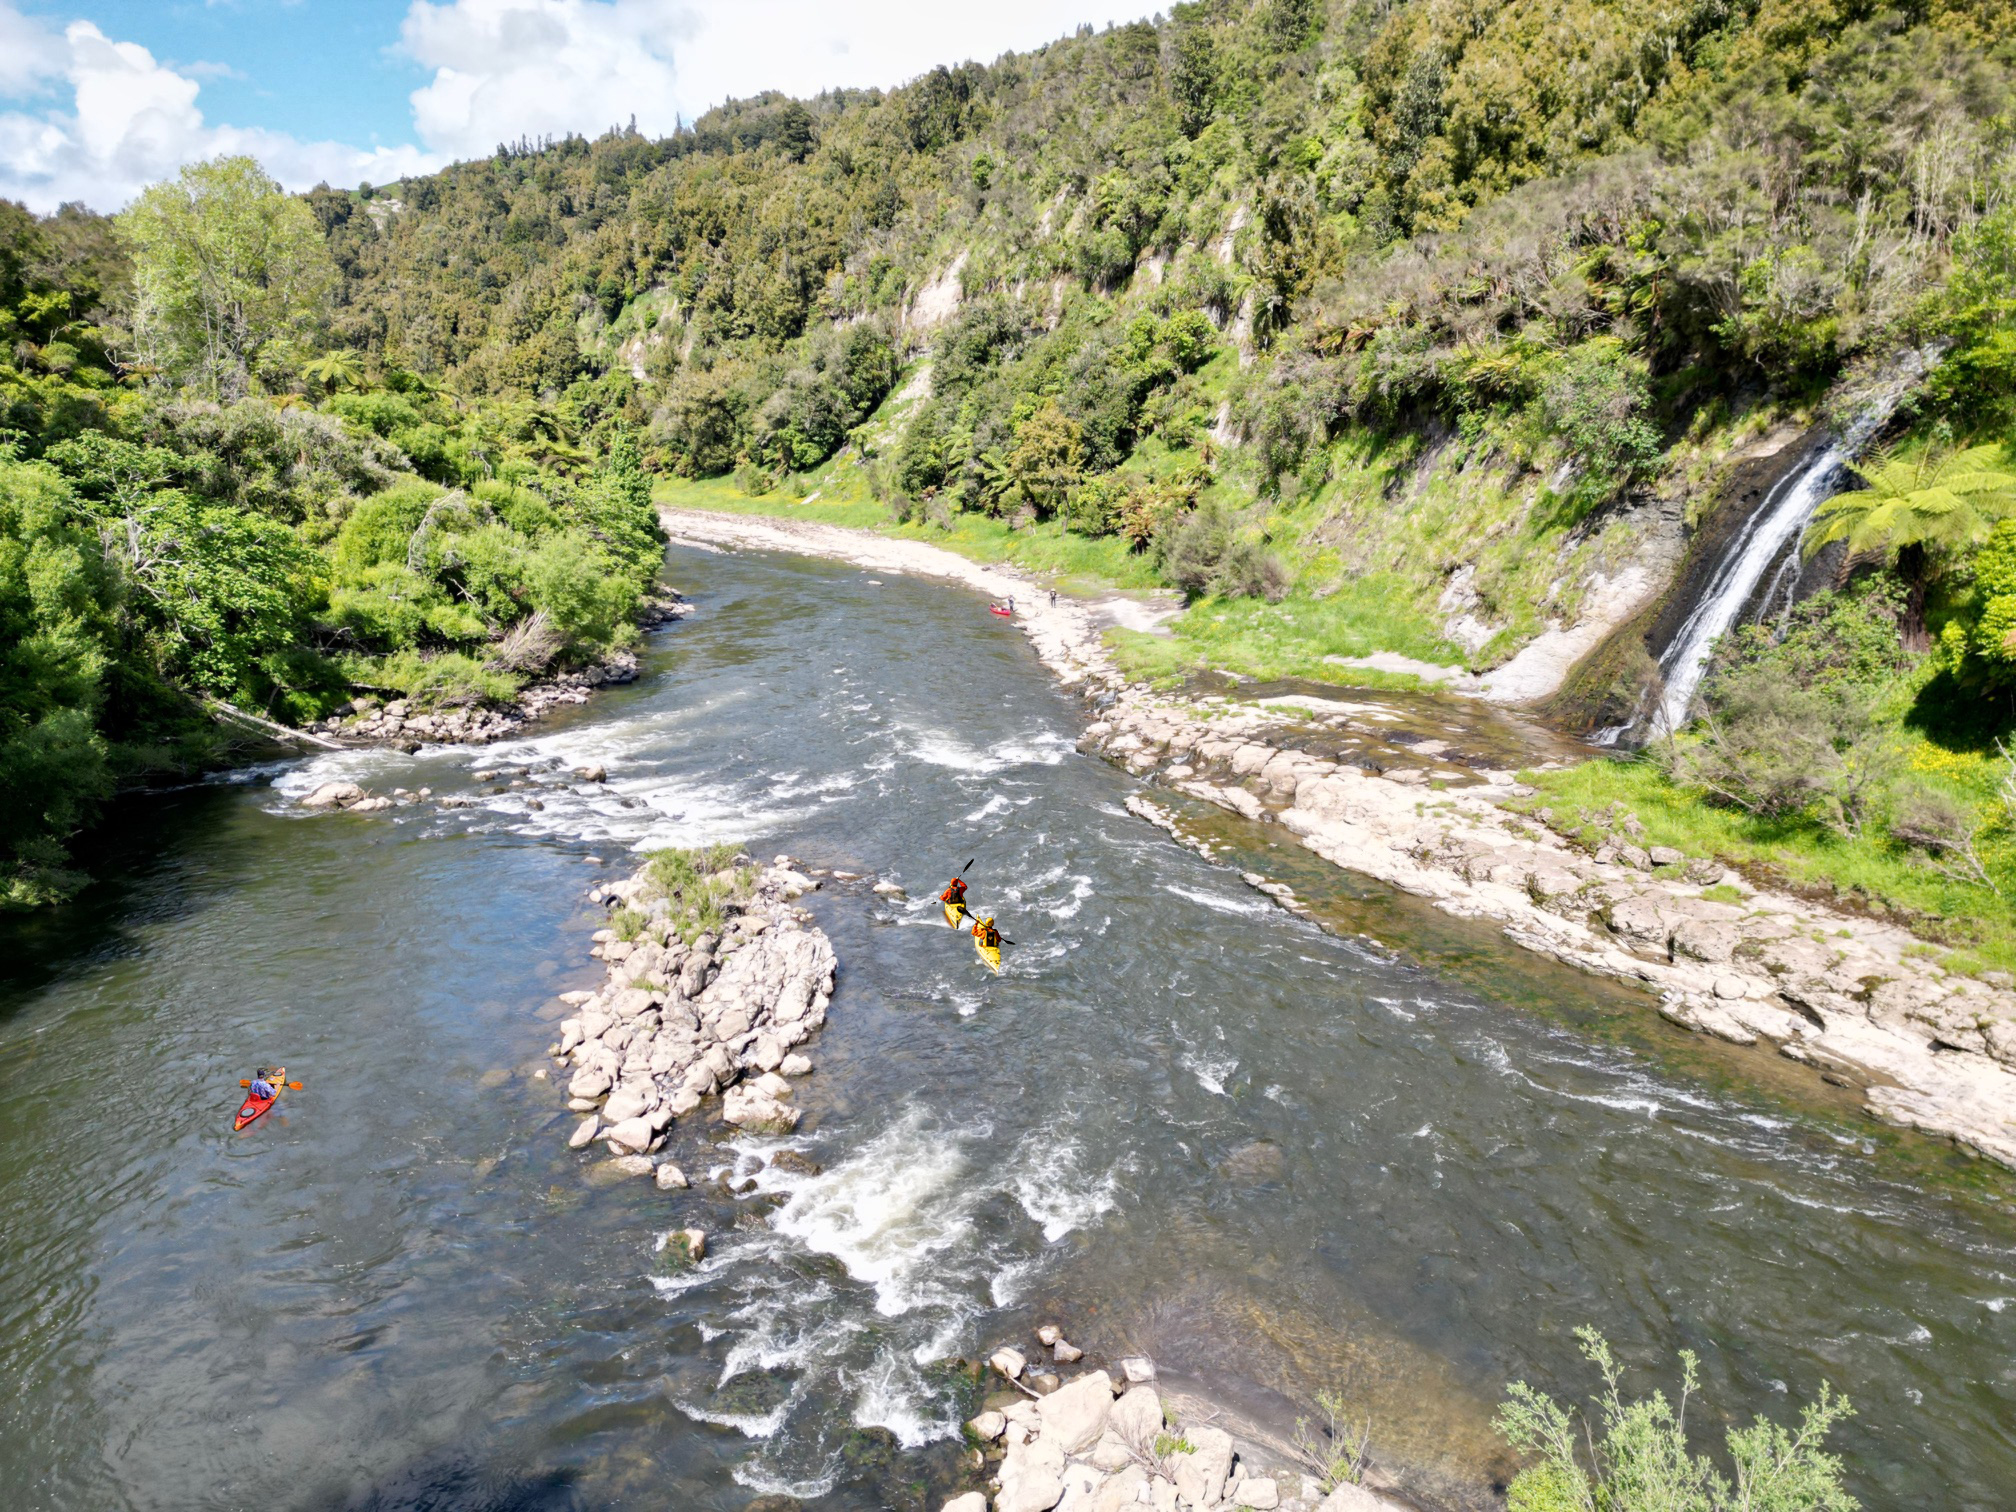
(510,68)
(130,120)
(87,117)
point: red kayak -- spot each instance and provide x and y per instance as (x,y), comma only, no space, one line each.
(1004,613)
(255,1108)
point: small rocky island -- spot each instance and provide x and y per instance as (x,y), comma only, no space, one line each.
(715,977)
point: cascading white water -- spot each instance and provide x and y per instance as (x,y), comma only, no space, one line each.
(1769,531)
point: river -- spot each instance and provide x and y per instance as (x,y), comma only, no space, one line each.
(1395,1157)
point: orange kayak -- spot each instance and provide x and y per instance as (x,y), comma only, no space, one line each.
(254,1108)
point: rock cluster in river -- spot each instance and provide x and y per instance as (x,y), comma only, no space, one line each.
(679,1021)
(1102,1443)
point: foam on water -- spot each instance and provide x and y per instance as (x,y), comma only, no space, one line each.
(887,1213)
(1219,903)
(936,748)
(1053,1188)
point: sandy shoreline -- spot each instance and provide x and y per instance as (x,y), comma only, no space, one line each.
(1857,1000)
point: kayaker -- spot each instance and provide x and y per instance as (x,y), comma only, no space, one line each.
(261,1087)
(985,932)
(955,894)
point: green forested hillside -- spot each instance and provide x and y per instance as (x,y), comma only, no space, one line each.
(1371,325)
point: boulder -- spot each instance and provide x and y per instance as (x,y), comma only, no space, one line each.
(988,1426)
(628,1101)
(1125,1490)
(631,1165)
(1258,1492)
(670,1178)
(1112,1452)
(1049,1334)
(1665,855)
(584,1133)
(1137,1416)
(753,1109)
(1009,1362)
(633,1136)
(1200,1474)
(1137,1368)
(972,1501)
(1074,1416)
(592,773)
(370,805)
(1064,1352)
(795,1065)
(1032,1478)
(589,1081)
(334,795)
(1081,1484)
(772,1085)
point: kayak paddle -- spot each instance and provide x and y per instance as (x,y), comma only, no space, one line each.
(246,1081)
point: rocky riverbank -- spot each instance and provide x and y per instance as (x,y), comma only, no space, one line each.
(714,979)
(1106,1441)
(399,722)
(1860,1001)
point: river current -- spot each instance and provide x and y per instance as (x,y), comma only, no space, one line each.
(1276,1156)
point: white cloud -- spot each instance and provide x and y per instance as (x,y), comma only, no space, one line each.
(95,119)
(510,68)
(743,47)
(132,121)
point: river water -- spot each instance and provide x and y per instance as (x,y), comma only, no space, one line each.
(1394,1157)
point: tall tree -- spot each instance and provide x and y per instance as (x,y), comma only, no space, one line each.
(1918,515)
(227,268)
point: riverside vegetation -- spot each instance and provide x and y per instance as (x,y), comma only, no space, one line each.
(1371,328)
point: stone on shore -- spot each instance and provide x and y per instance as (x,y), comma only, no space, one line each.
(1258,1492)
(988,1426)
(972,1501)
(1137,1416)
(795,1064)
(1032,1477)
(1126,1488)
(670,1178)
(1066,1353)
(1200,1474)
(584,1133)
(1138,1368)
(1049,1334)
(1009,1362)
(1350,1498)
(1074,1416)
(632,1165)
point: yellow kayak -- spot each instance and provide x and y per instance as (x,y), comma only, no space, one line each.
(991,954)
(955,915)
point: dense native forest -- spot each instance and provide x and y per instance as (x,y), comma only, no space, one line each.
(1369,325)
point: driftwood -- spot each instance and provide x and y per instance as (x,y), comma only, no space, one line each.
(229,712)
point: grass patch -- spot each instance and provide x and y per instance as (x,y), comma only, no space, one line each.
(700,884)
(627,923)
(1293,638)
(1871,869)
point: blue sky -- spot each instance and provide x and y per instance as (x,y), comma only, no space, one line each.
(98,98)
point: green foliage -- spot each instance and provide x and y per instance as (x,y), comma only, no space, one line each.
(229,272)
(1941,504)
(57,618)
(1642,1463)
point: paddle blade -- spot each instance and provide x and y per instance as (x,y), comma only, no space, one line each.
(244,1081)
(295,1085)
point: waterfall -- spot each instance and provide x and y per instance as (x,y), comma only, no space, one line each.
(1769,536)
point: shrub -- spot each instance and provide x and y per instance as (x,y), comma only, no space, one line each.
(444,680)
(1641,1461)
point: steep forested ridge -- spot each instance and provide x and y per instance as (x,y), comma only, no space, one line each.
(1372,326)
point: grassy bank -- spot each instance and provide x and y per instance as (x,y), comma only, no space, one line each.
(1298,637)
(1970,926)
